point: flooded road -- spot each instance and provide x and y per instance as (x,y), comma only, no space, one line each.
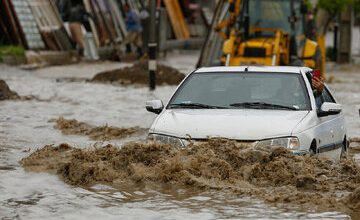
(25,127)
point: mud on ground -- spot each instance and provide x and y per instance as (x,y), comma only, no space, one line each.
(139,74)
(102,133)
(273,174)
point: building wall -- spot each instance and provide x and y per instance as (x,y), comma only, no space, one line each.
(355,41)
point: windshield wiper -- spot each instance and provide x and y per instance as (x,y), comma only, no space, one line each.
(195,106)
(260,105)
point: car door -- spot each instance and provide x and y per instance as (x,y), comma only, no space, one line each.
(337,121)
(330,127)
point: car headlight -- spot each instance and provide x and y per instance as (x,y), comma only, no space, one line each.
(164,139)
(291,143)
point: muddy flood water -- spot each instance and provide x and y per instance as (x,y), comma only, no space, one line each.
(84,180)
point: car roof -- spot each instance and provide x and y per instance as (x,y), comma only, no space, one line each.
(276,69)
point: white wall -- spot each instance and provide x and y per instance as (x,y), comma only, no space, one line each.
(355,49)
(356,41)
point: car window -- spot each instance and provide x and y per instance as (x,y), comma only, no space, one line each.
(224,89)
(324,97)
(327,96)
(319,99)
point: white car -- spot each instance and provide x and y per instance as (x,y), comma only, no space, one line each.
(264,105)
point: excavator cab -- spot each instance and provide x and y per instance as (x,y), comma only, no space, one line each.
(267,32)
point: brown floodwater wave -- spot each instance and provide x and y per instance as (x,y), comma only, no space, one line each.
(102,133)
(355,140)
(272,174)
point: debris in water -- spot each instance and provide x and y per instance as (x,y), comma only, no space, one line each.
(138,74)
(274,175)
(6,93)
(72,126)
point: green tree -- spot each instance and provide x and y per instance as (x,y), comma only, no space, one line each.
(333,7)
(357,6)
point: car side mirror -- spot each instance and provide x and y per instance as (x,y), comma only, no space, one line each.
(154,106)
(329,108)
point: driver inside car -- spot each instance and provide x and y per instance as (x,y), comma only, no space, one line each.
(318,88)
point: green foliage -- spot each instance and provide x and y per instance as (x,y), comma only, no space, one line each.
(11,50)
(357,6)
(333,6)
(336,6)
(309,5)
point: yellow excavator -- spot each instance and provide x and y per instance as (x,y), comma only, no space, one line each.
(263,32)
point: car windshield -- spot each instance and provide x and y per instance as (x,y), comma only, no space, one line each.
(234,90)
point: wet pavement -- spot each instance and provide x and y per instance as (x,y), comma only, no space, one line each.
(346,89)
(24,127)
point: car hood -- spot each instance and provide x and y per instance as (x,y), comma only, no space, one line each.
(238,124)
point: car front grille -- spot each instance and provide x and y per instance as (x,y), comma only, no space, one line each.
(199,141)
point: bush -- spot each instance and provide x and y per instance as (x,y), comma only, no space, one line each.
(11,50)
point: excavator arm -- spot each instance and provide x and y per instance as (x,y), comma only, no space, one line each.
(224,27)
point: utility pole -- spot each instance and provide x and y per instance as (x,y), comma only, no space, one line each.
(346,25)
(152,46)
(336,29)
